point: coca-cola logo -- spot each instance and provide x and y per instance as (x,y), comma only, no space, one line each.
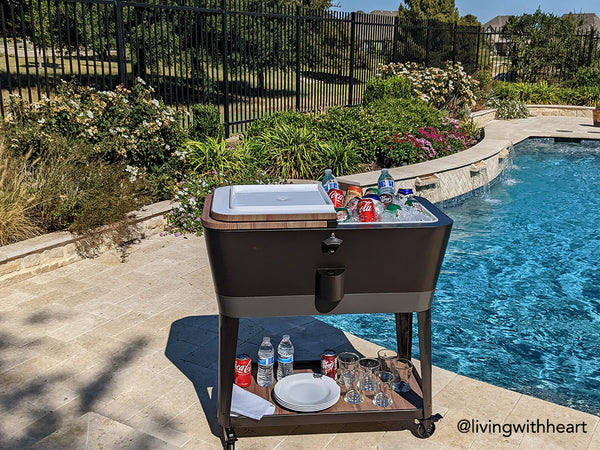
(365,206)
(243,369)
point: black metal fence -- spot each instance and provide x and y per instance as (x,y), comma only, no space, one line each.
(239,54)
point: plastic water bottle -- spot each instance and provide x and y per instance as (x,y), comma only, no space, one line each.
(329,181)
(266,354)
(285,357)
(386,183)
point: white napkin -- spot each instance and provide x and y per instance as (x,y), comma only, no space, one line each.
(249,404)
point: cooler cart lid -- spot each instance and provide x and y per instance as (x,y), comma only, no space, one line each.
(272,202)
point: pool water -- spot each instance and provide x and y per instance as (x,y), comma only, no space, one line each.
(518,298)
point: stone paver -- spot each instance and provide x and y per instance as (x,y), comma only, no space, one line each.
(110,354)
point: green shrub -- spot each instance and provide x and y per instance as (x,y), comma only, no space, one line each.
(125,125)
(341,158)
(206,123)
(213,156)
(291,118)
(544,94)
(484,79)
(380,87)
(349,125)
(289,152)
(587,77)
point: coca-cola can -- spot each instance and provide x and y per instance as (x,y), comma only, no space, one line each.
(329,363)
(366,210)
(337,197)
(243,368)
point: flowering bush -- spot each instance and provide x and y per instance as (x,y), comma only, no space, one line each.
(427,143)
(122,125)
(449,88)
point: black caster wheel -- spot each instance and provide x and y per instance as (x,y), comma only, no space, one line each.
(423,432)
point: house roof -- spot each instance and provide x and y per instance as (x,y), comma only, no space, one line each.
(590,20)
(496,23)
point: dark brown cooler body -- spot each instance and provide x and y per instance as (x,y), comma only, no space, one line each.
(375,268)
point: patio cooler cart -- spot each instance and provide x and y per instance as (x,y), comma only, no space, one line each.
(277,250)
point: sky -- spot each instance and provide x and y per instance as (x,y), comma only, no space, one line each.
(485,10)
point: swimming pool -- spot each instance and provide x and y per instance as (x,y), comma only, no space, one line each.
(518,299)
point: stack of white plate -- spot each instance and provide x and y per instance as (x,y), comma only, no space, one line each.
(306,392)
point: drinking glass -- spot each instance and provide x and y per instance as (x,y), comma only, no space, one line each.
(369,364)
(354,393)
(387,358)
(385,385)
(402,371)
(346,362)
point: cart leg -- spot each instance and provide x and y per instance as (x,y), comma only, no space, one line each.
(424,322)
(404,334)
(230,439)
(228,335)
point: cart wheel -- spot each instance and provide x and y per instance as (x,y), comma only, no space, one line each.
(423,432)
(230,439)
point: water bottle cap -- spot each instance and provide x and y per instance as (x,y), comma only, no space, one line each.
(286,337)
(266,339)
(405,191)
(327,171)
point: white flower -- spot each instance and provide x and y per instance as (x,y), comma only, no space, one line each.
(167,147)
(133,172)
(155,103)
(74,103)
(42,120)
(90,114)
(90,131)
(139,80)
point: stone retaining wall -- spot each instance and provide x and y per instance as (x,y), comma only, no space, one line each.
(51,251)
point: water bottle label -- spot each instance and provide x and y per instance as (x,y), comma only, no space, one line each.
(331,185)
(386,183)
(289,359)
(266,361)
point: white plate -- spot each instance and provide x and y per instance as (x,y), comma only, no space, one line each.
(307,393)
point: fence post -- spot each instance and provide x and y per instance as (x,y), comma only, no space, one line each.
(427,44)
(477,51)
(395,45)
(298,41)
(454,43)
(225,42)
(591,47)
(351,71)
(120,41)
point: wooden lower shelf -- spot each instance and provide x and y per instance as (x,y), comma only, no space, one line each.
(407,405)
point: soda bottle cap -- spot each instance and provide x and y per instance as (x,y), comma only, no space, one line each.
(405,191)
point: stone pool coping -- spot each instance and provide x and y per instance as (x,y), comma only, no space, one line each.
(436,180)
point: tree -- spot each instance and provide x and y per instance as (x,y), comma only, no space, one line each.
(543,45)
(439,10)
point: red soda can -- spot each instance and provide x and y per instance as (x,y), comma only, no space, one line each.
(366,210)
(329,363)
(337,197)
(243,368)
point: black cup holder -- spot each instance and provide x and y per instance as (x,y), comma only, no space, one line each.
(329,289)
